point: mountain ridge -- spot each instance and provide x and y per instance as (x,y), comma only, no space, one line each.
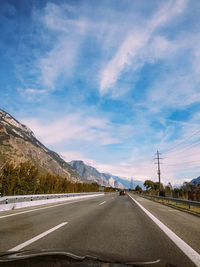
(106,179)
(197,180)
(19,144)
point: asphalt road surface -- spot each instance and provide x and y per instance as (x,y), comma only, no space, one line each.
(111,227)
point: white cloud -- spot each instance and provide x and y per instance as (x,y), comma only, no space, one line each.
(133,47)
(72,155)
(77,127)
(33,91)
(122,58)
(166,13)
(175,171)
(159,48)
(59,61)
(56,18)
(178,166)
(137,42)
(61,58)
(32,94)
(177,89)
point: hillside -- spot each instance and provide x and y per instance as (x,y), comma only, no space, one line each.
(197,180)
(18,144)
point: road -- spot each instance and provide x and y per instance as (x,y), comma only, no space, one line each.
(112,227)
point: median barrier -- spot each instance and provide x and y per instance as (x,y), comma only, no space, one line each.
(17,202)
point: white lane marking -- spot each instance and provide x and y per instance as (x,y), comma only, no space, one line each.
(102,203)
(27,211)
(30,241)
(189,252)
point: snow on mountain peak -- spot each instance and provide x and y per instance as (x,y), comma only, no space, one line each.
(10,120)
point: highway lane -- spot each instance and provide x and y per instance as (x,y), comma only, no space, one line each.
(185,225)
(113,227)
(20,227)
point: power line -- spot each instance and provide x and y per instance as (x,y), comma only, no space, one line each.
(188,146)
(182,142)
(184,169)
(180,163)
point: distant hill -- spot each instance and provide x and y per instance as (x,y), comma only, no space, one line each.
(18,144)
(106,179)
(197,180)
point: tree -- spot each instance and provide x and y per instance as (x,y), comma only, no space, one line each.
(168,190)
(8,180)
(138,188)
(149,184)
(28,175)
(26,179)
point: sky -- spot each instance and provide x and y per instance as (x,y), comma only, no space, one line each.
(107,82)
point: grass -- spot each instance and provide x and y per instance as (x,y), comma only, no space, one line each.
(176,204)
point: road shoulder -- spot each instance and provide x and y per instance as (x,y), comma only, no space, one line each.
(183,224)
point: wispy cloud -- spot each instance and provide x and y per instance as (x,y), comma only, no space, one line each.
(34,91)
(77,126)
(65,33)
(104,82)
(177,88)
(137,43)
(59,61)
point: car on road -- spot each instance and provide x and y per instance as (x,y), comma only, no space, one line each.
(122,193)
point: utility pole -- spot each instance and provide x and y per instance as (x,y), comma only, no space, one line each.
(131,183)
(158,163)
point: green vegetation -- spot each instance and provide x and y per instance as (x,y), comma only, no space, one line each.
(26,179)
(110,189)
(138,189)
(186,191)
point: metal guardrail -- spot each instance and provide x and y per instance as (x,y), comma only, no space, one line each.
(176,200)
(24,198)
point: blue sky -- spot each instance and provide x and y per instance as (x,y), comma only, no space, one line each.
(108,82)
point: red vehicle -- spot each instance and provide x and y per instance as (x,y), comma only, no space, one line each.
(122,193)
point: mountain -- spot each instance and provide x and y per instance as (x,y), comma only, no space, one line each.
(197,180)
(18,144)
(90,173)
(128,183)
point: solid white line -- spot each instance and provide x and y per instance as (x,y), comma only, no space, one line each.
(102,203)
(30,241)
(27,211)
(189,252)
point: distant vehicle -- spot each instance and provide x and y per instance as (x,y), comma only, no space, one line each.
(122,193)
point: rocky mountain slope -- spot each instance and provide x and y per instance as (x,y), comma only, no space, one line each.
(90,173)
(197,180)
(18,144)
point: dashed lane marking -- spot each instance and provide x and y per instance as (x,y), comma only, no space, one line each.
(32,240)
(102,203)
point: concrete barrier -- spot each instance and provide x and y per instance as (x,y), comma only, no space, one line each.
(18,205)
